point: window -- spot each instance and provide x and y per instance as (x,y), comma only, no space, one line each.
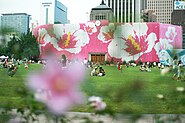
(100,17)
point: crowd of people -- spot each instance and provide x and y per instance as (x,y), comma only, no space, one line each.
(177,67)
(12,65)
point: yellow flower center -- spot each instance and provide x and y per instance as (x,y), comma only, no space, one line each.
(136,45)
(68,39)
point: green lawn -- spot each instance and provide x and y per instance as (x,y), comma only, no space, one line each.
(130,91)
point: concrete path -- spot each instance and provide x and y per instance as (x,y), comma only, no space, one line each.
(79,117)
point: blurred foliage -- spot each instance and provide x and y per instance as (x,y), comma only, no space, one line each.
(4,31)
(23,47)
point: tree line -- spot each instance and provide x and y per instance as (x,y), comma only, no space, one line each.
(24,46)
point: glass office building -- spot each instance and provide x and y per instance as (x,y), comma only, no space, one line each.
(53,11)
(19,22)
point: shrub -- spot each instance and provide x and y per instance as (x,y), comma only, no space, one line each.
(112,61)
(107,63)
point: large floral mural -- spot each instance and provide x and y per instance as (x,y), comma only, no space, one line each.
(121,41)
(131,41)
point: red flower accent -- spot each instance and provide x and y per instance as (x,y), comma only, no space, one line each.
(67,41)
(134,46)
(89,29)
(108,35)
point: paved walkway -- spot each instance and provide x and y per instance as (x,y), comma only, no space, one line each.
(78,117)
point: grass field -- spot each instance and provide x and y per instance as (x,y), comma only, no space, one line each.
(130,91)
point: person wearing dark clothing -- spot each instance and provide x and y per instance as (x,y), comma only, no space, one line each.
(11,70)
(101,72)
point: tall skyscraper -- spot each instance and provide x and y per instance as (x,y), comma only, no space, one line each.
(127,10)
(17,21)
(162,8)
(53,11)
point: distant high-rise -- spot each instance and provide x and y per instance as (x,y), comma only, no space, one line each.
(162,8)
(178,17)
(53,11)
(19,22)
(127,10)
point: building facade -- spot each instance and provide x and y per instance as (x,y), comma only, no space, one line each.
(162,8)
(102,12)
(147,42)
(149,16)
(127,10)
(53,11)
(19,22)
(178,17)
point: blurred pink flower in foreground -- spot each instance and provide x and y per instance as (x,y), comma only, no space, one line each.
(97,103)
(57,87)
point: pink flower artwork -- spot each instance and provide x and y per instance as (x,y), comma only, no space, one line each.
(90,28)
(134,46)
(67,41)
(106,34)
(58,88)
(131,42)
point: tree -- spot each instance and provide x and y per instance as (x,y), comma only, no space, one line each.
(13,47)
(23,47)
(145,17)
(4,31)
(28,46)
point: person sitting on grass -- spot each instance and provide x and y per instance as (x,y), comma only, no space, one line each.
(26,65)
(94,72)
(142,67)
(101,72)
(12,70)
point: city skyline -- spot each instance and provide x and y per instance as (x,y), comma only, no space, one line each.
(78,11)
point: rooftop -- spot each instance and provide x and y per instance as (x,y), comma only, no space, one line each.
(102,6)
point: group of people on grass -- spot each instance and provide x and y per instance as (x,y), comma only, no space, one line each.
(98,71)
(12,65)
(144,67)
(177,67)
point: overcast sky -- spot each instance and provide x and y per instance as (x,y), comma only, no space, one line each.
(77,9)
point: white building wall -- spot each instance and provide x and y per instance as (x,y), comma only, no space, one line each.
(47,5)
(135,7)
